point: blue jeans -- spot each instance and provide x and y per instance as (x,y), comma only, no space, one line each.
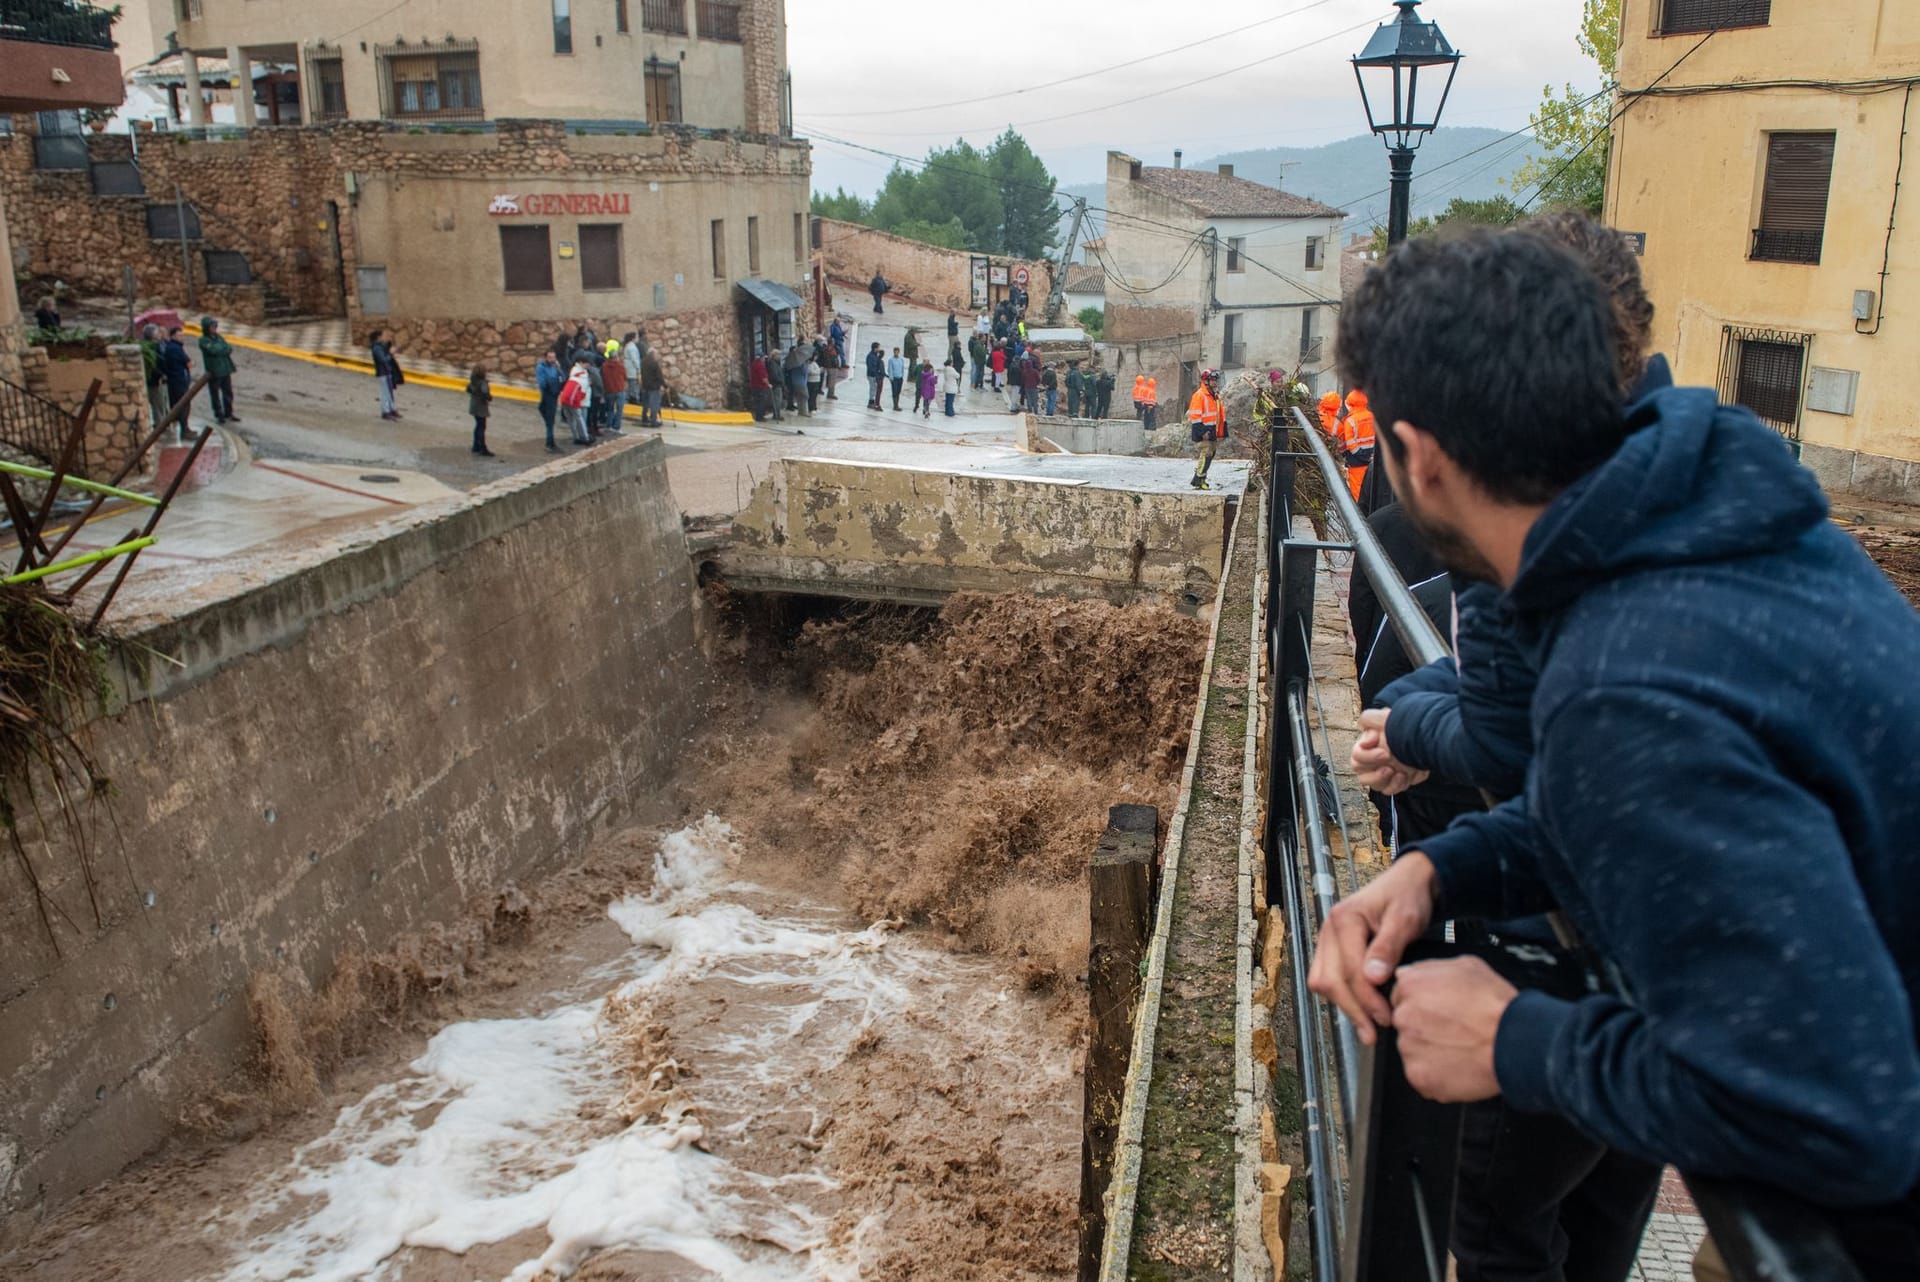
(950,413)
(1053,399)
(979,374)
(549,411)
(616,409)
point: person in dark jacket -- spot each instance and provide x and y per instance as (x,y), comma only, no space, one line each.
(876,375)
(480,406)
(1103,393)
(47,314)
(794,374)
(653,386)
(878,287)
(386,372)
(549,378)
(216,356)
(177,369)
(1727,762)
(156,377)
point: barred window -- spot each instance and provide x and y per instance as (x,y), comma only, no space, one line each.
(1765,370)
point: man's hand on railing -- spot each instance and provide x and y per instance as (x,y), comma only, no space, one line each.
(1447,1015)
(1364,937)
(1373,761)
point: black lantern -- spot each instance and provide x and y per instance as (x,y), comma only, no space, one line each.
(1393,62)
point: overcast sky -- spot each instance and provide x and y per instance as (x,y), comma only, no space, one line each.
(893,63)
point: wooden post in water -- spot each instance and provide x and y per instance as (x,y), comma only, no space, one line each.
(1121,881)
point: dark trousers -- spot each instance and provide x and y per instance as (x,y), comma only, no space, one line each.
(950,413)
(479,436)
(877,308)
(896,390)
(177,392)
(1537,1201)
(221,389)
(813,397)
(549,412)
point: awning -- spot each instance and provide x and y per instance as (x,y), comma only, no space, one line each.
(772,295)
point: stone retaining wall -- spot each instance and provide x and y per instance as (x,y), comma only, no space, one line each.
(121,417)
(348,745)
(918,272)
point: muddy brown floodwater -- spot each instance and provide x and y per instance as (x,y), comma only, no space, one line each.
(822,1020)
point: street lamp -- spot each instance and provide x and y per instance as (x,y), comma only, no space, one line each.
(1393,60)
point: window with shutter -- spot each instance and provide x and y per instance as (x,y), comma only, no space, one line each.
(527,255)
(1793,202)
(1682,17)
(600,256)
(1765,370)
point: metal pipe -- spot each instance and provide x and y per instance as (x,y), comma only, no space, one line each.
(1421,639)
(1329,1203)
(1346,1046)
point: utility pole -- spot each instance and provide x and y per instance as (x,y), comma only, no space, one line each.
(1057,296)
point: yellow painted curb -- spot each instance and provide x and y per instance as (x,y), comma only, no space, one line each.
(507,392)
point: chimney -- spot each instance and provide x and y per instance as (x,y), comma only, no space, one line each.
(1177,153)
(1226,171)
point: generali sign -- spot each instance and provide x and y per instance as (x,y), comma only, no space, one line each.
(555,204)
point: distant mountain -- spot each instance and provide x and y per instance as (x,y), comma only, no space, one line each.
(1352,174)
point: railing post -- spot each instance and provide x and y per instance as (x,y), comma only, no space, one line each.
(1121,906)
(1404,1153)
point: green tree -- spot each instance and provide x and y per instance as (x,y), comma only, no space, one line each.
(843,204)
(1093,321)
(1030,220)
(1495,211)
(999,201)
(1577,135)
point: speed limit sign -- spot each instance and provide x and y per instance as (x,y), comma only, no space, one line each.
(1021,276)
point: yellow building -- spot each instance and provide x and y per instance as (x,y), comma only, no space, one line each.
(1761,148)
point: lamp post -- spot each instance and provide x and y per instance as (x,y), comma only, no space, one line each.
(1392,61)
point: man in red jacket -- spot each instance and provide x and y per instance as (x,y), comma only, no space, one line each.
(760,386)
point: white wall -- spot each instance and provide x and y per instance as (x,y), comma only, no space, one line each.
(1275,289)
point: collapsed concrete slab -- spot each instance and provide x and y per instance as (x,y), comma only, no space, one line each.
(968,520)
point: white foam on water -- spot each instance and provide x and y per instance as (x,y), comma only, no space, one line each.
(509,1149)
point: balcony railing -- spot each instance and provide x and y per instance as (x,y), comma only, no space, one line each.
(56,22)
(1771,246)
(667,17)
(33,423)
(719,20)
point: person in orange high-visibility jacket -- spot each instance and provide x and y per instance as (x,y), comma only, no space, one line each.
(1207,419)
(1152,404)
(1140,397)
(1359,440)
(1330,416)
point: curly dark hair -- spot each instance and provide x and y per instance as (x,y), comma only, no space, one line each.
(1607,255)
(1499,346)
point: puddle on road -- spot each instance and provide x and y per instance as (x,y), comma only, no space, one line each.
(510,1130)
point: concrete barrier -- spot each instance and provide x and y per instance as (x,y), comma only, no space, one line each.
(1111,529)
(356,745)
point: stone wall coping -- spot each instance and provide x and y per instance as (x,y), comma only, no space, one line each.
(274,598)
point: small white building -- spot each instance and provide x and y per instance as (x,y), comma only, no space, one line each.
(1085,286)
(1206,269)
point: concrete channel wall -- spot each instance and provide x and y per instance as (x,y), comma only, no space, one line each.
(355,748)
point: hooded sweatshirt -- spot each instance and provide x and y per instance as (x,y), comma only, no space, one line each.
(1724,800)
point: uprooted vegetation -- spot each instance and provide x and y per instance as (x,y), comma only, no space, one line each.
(956,770)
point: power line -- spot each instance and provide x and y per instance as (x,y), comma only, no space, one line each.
(1067,80)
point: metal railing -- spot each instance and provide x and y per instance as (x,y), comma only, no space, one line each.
(1774,246)
(56,22)
(667,17)
(1384,1213)
(719,20)
(32,423)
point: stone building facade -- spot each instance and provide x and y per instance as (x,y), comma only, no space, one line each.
(412,233)
(121,419)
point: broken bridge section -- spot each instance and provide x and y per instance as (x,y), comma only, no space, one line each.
(917,526)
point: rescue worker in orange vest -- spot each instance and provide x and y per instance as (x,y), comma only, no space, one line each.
(1330,415)
(1152,402)
(1207,420)
(1140,397)
(1358,440)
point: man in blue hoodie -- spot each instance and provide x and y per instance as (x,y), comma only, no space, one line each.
(1726,783)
